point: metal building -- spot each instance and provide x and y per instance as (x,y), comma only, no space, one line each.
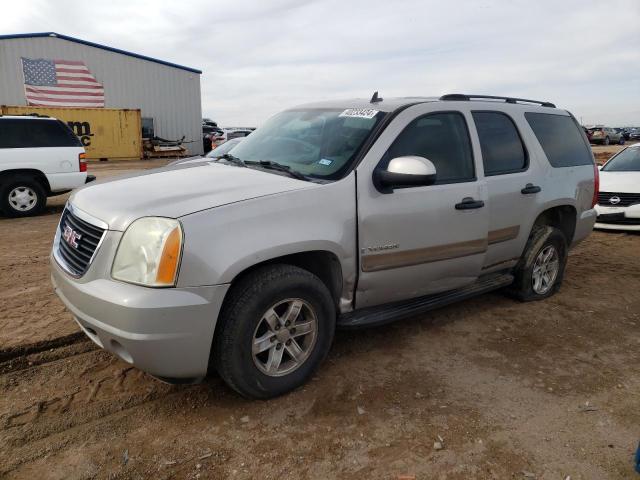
(167,94)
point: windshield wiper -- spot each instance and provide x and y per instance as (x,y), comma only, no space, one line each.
(269,165)
(232,159)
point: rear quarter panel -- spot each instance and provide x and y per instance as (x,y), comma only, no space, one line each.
(573,186)
(59,164)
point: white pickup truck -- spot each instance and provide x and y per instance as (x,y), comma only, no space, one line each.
(39,158)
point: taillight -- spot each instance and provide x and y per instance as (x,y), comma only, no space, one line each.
(596,185)
(82,162)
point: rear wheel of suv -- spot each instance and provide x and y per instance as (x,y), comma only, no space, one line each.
(275,328)
(21,196)
(540,271)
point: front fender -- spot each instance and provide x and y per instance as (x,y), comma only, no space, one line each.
(222,242)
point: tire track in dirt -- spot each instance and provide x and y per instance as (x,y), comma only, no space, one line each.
(24,350)
(65,395)
(31,360)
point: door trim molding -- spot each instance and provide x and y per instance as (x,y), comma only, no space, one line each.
(417,256)
(503,234)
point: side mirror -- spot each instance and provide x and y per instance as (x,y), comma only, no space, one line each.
(404,172)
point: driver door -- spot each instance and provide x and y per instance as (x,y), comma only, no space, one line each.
(422,240)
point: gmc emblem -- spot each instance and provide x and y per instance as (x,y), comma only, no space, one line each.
(70,236)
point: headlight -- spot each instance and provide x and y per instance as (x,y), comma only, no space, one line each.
(149,253)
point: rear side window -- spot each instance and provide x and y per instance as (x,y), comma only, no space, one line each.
(502,148)
(29,133)
(442,138)
(560,138)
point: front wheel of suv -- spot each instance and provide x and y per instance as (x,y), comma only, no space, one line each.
(539,273)
(275,328)
(21,196)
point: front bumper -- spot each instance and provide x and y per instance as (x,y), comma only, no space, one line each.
(618,218)
(165,332)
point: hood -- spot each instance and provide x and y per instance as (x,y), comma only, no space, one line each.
(620,182)
(177,190)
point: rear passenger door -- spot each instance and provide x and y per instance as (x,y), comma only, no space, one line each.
(513,183)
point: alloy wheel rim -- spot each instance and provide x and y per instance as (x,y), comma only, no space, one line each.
(284,337)
(545,269)
(22,199)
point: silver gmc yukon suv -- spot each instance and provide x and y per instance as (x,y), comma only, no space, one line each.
(337,214)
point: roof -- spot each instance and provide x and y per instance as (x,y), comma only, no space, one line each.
(393,103)
(386,105)
(97,45)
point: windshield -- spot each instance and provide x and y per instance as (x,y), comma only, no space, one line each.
(318,143)
(627,160)
(223,148)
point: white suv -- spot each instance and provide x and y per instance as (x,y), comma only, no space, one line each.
(39,158)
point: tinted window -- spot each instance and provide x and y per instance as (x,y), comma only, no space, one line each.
(502,149)
(442,138)
(28,133)
(560,138)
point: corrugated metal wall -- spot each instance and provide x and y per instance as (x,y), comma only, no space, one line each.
(169,95)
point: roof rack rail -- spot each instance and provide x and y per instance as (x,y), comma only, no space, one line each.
(461,97)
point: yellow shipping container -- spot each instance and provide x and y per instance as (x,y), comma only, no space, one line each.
(106,133)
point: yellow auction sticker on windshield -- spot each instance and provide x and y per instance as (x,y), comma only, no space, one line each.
(359,113)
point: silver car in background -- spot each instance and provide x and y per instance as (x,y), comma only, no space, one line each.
(343,214)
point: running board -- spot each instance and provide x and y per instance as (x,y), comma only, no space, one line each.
(390,312)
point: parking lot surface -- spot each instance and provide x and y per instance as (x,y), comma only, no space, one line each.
(508,390)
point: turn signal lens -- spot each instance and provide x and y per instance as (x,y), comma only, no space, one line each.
(168,266)
(82,162)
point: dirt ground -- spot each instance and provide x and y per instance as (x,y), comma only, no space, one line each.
(544,390)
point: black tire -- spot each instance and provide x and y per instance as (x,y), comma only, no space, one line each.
(243,310)
(9,184)
(606,141)
(541,237)
(621,141)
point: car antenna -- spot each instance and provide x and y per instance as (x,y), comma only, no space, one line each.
(375,98)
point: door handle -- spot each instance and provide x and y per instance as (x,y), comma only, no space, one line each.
(469,203)
(530,188)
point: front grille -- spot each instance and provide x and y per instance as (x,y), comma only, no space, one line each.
(626,199)
(617,219)
(77,260)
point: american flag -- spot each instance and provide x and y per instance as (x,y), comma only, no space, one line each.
(60,83)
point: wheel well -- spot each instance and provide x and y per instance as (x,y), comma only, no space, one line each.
(37,174)
(324,265)
(563,218)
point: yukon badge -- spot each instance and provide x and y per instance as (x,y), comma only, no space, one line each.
(71,237)
(379,248)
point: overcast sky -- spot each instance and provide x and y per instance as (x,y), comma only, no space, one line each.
(260,56)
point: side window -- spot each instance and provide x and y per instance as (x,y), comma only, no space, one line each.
(560,138)
(502,148)
(10,134)
(19,133)
(51,134)
(442,138)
